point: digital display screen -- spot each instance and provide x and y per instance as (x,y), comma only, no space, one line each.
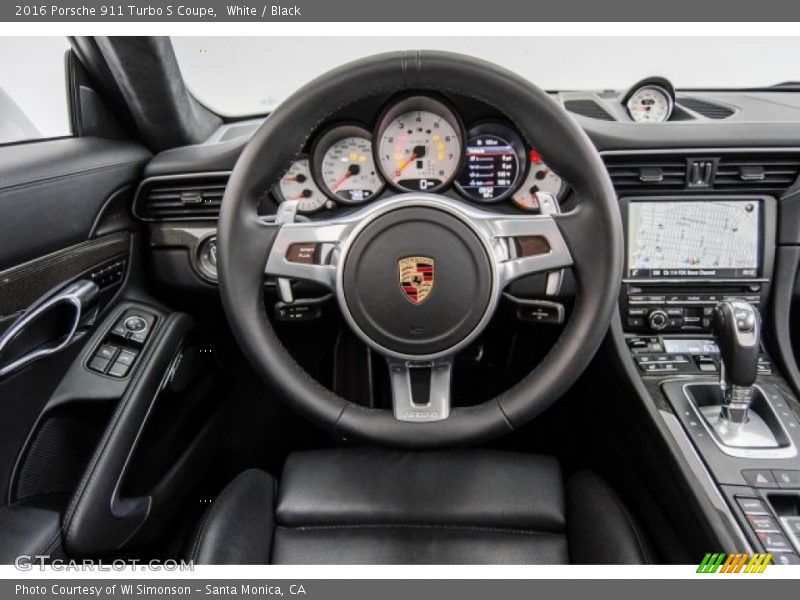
(708,239)
(491,168)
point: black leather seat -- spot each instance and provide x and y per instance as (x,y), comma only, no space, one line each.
(380,507)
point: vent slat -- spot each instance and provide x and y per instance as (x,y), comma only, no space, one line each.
(640,173)
(754,172)
(588,108)
(710,110)
(186,199)
(769,172)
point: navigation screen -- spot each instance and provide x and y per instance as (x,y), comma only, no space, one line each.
(709,239)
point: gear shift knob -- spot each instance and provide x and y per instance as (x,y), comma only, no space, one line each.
(737,328)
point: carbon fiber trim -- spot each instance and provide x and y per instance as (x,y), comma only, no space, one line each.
(21,285)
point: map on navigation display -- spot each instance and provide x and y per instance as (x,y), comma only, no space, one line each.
(693,239)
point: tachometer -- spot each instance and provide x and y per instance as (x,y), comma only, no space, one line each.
(493,164)
(419,144)
(541,178)
(297,184)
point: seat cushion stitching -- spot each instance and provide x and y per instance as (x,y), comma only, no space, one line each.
(419,526)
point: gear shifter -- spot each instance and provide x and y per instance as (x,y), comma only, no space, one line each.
(737,328)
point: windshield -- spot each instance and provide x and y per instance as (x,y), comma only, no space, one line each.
(247,76)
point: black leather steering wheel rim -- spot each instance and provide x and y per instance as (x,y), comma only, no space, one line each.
(593,231)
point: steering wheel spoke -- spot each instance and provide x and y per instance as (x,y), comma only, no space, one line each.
(307,251)
(421,390)
(525,245)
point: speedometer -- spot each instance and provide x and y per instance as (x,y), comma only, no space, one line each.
(494,163)
(345,166)
(297,184)
(650,104)
(419,144)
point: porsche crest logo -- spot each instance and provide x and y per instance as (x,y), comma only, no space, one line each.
(416,277)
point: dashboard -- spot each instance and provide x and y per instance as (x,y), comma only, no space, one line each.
(418,143)
(678,161)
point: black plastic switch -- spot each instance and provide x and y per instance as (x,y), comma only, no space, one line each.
(786,558)
(774,542)
(126,357)
(763,523)
(787,479)
(106,351)
(99,364)
(752,506)
(759,477)
(119,369)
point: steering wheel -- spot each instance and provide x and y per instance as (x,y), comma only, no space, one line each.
(473,254)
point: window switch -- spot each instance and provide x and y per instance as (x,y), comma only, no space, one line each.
(106,351)
(119,369)
(99,364)
(126,357)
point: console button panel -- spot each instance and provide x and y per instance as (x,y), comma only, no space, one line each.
(117,353)
(665,355)
(678,309)
(777,533)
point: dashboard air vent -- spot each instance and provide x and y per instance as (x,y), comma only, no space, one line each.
(184,197)
(646,173)
(762,172)
(709,110)
(588,108)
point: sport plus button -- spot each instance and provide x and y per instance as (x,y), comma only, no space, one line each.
(763,523)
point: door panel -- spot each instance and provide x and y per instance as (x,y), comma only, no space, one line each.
(62,205)
(52,192)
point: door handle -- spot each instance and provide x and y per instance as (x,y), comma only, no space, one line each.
(50,324)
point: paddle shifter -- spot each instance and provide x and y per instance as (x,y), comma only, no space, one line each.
(737,328)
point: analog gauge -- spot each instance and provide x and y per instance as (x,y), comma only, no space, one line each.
(493,163)
(541,178)
(419,144)
(345,166)
(650,104)
(297,184)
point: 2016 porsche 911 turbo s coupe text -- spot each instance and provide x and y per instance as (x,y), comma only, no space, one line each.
(421,312)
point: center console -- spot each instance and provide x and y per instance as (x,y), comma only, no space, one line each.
(686,254)
(694,297)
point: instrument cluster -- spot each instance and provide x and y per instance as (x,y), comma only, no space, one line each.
(418,144)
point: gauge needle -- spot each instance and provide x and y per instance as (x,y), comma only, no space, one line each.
(343,178)
(419,152)
(407,162)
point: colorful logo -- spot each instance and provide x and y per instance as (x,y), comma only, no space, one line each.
(416,277)
(720,562)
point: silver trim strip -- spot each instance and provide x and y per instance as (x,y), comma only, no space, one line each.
(491,229)
(703,476)
(789,451)
(80,295)
(437,408)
